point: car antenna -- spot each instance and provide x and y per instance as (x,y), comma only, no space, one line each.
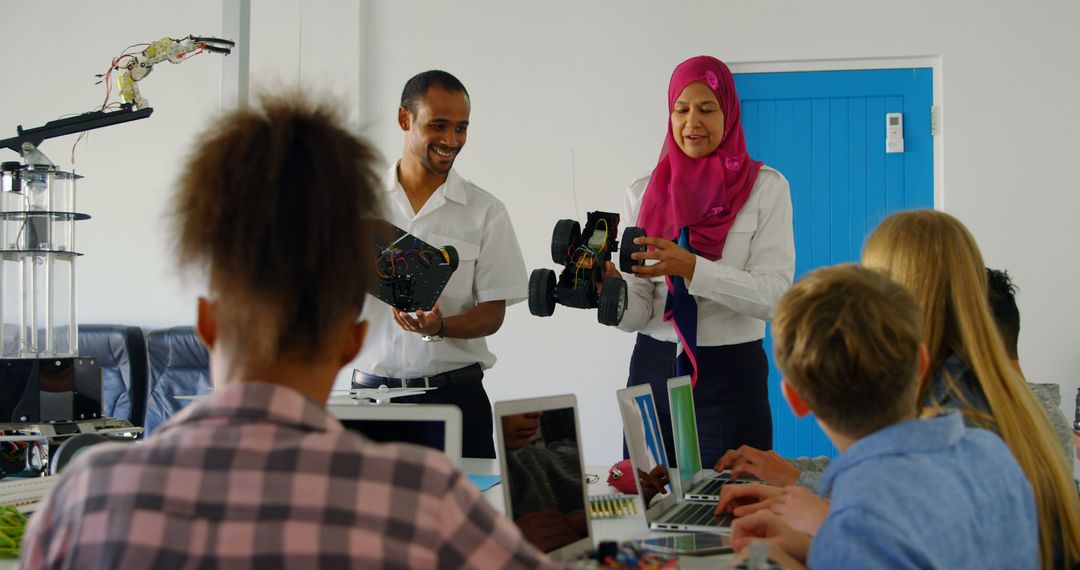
(573,183)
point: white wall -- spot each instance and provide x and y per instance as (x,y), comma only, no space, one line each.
(551,78)
(52,52)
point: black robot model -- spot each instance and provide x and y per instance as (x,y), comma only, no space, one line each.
(583,253)
(411,273)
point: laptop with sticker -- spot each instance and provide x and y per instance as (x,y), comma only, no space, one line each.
(665,507)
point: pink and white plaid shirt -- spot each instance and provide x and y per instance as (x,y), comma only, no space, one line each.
(260,477)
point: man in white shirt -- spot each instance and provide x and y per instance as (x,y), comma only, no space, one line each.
(445,348)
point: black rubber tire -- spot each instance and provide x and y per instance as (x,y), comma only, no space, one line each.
(542,292)
(612,303)
(567,234)
(451,257)
(71,447)
(627,246)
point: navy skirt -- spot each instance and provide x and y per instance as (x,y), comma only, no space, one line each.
(731,398)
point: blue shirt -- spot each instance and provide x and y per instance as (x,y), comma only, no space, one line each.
(956,387)
(927,494)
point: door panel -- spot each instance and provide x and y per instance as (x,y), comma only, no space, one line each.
(825,131)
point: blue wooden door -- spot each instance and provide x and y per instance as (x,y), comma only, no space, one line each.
(825,131)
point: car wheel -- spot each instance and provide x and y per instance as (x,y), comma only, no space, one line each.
(542,292)
(564,240)
(628,247)
(612,305)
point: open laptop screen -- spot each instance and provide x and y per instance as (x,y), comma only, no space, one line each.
(430,433)
(684,426)
(540,451)
(431,425)
(645,443)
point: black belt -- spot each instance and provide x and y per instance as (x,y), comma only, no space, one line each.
(466,375)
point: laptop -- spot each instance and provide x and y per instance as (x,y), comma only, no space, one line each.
(697,484)
(665,507)
(539,448)
(429,425)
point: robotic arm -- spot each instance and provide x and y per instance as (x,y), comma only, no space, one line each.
(139,65)
(131,68)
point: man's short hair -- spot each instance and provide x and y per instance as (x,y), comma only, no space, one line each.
(847,340)
(1001,294)
(419,84)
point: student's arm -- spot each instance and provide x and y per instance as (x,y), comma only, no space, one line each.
(766,525)
(811,469)
(473,535)
(765,465)
(1049,397)
(746,499)
(801,509)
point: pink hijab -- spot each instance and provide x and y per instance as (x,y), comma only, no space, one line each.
(703,194)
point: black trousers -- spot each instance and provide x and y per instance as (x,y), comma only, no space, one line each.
(731,398)
(476,420)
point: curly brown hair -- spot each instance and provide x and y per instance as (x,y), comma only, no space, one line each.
(276,207)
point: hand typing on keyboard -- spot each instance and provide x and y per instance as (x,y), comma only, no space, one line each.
(765,465)
(742,500)
(801,509)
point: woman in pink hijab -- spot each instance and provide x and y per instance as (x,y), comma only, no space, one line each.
(722,253)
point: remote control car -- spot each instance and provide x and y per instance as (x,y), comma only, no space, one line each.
(583,255)
(411,274)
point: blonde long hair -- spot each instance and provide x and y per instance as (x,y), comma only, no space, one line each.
(935,256)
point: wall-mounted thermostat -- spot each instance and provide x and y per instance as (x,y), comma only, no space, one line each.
(894,132)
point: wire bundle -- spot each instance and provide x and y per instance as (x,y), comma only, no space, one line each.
(585,256)
(12,527)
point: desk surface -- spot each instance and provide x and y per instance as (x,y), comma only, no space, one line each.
(619,529)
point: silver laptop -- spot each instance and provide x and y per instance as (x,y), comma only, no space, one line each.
(665,508)
(697,484)
(430,425)
(539,447)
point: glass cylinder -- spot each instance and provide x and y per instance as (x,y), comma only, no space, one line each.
(37,263)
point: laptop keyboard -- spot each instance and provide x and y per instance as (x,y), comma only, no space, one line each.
(712,486)
(700,514)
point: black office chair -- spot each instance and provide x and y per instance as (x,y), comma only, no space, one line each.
(179,366)
(120,351)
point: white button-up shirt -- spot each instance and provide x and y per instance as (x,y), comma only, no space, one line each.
(490,268)
(737,293)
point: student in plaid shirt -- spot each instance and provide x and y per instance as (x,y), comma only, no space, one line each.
(274,207)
